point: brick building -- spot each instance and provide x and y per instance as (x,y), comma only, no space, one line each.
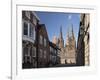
(43,46)
(29,24)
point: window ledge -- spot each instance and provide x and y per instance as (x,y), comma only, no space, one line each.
(26,38)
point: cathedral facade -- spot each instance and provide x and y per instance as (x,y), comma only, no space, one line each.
(67,52)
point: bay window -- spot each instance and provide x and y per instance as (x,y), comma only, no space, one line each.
(34,33)
(25,32)
(29,30)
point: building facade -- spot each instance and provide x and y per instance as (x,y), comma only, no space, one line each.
(87,39)
(67,52)
(29,24)
(37,51)
(83,48)
(54,58)
(43,46)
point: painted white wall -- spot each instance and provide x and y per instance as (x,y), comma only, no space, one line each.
(5,37)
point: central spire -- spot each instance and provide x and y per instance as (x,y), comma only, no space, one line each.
(61,41)
(72,32)
(61,32)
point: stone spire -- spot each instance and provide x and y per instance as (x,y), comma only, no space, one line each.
(72,37)
(72,32)
(67,40)
(61,37)
(61,41)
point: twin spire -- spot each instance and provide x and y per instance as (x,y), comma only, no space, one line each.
(70,33)
(61,40)
(61,35)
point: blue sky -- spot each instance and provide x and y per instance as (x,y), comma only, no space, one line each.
(54,20)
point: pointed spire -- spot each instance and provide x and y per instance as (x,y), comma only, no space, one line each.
(72,27)
(60,28)
(61,32)
(72,32)
(67,40)
(61,41)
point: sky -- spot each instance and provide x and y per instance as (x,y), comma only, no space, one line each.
(54,20)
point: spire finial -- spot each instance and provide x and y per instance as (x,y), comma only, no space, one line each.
(61,28)
(72,27)
(72,31)
(61,31)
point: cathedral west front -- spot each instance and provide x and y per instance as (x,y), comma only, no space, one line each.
(67,51)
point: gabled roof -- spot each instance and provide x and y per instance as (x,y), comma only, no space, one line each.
(35,15)
(43,27)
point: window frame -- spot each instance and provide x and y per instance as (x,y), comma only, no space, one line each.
(24,28)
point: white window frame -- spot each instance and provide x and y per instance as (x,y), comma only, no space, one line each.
(34,52)
(31,33)
(28,37)
(23,28)
(34,33)
(27,53)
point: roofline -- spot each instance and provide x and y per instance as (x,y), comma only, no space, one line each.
(36,15)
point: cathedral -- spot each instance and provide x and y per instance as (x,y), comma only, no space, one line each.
(67,52)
